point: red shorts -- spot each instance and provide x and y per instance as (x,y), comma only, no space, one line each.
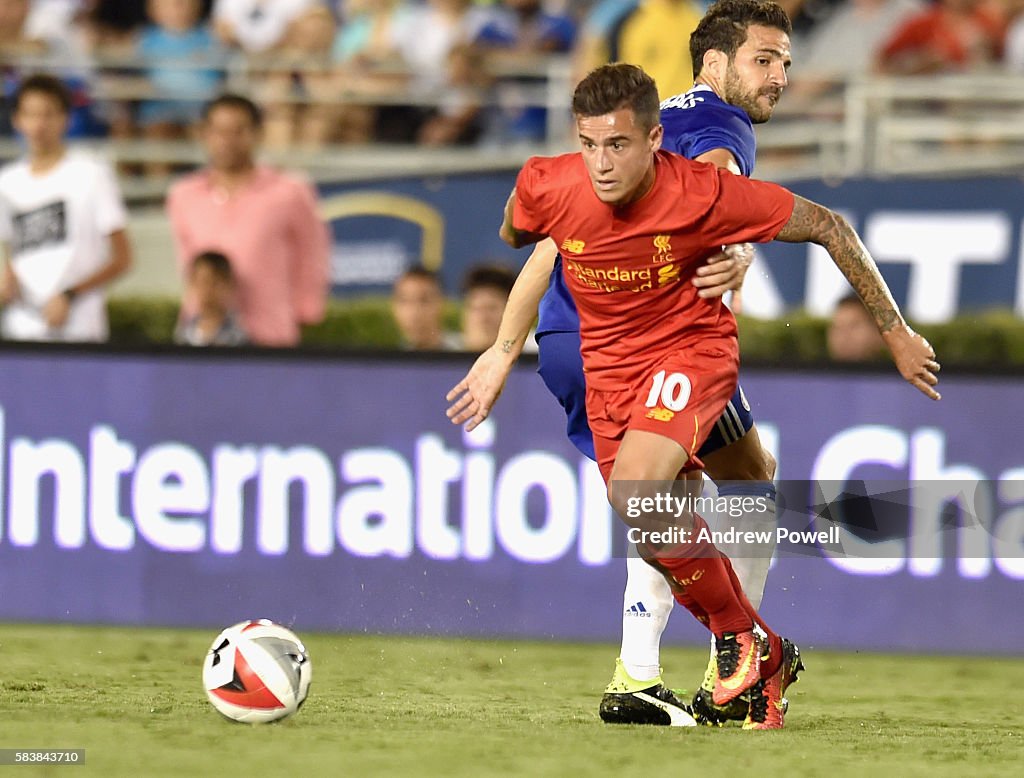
(680,396)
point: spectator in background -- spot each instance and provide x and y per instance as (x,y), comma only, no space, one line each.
(852,333)
(25,31)
(527,28)
(215,323)
(365,46)
(950,36)
(425,38)
(111,25)
(257,26)
(592,47)
(485,291)
(427,35)
(15,43)
(516,38)
(806,15)
(21,38)
(63,222)
(652,34)
(457,120)
(177,36)
(1013,55)
(264,219)
(300,100)
(368,33)
(417,303)
(858,29)
(50,19)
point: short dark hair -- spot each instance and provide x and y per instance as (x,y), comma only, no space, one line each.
(615,86)
(218,263)
(418,271)
(724,27)
(239,103)
(44,84)
(495,277)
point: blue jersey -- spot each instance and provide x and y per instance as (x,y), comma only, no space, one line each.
(695,122)
(700,121)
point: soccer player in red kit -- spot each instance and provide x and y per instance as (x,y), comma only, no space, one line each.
(633,224)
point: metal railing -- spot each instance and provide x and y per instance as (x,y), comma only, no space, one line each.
(879,127)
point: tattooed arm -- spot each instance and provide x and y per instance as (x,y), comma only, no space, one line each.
(813,223)
(473,397)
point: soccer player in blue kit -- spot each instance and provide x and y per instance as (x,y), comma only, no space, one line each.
(740,53)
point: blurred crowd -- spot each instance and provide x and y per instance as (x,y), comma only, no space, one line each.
(437,72)
(232,75)
(347,71)
(252,250)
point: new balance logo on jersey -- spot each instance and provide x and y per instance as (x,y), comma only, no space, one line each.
(638,610)
(43,226)
(668,274)
(573,246)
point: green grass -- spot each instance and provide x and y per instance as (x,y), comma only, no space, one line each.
(422,707)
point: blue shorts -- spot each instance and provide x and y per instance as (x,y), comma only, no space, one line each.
(561,367)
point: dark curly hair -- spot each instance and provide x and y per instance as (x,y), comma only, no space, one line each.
(724,27)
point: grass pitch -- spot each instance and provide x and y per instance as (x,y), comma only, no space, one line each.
(423,707)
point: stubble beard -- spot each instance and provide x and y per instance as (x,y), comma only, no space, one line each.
(746,99)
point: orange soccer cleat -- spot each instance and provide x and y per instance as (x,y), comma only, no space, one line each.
(739,663)
(768,703)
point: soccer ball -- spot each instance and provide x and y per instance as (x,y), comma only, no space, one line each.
(257,672)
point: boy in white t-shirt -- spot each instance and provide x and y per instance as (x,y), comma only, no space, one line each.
(62,225)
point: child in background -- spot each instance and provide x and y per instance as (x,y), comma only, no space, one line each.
(212,285)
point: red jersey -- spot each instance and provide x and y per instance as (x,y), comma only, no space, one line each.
(629,268)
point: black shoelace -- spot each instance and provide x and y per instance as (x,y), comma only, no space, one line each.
(758,703)
(728,656)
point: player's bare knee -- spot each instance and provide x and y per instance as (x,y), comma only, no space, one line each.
(627,498)
(658,517)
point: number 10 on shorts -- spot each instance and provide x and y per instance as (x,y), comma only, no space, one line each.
(673,391)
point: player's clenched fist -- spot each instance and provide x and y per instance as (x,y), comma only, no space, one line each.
(914,358)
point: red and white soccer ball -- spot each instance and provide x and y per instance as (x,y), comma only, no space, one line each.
(257,672)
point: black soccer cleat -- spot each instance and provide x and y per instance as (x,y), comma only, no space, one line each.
(707,713)
(653,705)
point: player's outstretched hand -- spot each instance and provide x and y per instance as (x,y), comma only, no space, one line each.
(724,271)
(473,397)
(914,358)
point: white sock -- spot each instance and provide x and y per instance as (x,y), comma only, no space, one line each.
(751,561)
(647,604)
